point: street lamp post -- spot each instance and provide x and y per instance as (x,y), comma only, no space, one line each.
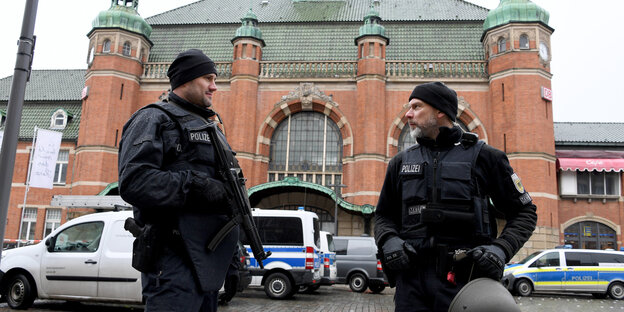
(336,187)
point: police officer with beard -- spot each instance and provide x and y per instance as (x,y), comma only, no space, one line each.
(434,222)
(166,171)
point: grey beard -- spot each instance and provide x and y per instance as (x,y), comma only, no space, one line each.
(416,133)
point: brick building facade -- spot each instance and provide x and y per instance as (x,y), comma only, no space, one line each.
(313,96)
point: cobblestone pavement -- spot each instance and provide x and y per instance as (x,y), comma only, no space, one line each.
(339,298)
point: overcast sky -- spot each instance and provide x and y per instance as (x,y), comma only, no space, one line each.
(587,47)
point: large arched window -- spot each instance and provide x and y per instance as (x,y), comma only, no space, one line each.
(307,145)
(590,235)
(406,140)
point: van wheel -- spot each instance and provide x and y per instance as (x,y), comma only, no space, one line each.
(19,292)
(278,286)
(377,288)
(616,291)
(524,287)
(358,282)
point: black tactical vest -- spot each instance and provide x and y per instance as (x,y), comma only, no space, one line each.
(441,197)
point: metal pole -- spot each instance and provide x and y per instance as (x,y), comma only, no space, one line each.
(336,187)
(23,62)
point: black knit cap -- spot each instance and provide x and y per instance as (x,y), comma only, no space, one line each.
(439,96)
(189,65)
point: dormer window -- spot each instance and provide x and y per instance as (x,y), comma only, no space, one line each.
(126,49)
(106,46)
(59,119)
(502,45)
(524,42)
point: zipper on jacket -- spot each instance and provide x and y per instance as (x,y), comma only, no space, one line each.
(435,177)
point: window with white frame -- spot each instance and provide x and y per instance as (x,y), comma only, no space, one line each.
(60,171)
(59,119)
(29,222)
(590,183)
(524,41)
(53,220)
(126,49)
(502,45)
(106,46)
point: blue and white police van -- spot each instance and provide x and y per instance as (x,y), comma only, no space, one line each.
(293,238)
(598,272)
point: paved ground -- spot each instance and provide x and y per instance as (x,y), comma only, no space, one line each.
(340,298)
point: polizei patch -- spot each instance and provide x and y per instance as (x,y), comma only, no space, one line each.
(408,169)
(199,137)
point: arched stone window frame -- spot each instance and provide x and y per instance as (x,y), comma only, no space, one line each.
(126,49)
(591,218)
(523,42)
(106,46)
(306,97)
(464,114)
(501,44)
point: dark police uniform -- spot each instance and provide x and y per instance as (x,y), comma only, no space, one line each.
(435,197)
(165,158)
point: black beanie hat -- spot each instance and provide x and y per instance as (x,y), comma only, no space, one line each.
(439,96)
(189,65)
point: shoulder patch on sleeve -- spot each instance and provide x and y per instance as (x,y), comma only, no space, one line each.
(517,183)
(525,198)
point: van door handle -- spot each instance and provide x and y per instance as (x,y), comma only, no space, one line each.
(90,261)
(558,269)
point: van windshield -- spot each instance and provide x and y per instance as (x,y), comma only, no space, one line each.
(330,243)
(317,234)
(529,257)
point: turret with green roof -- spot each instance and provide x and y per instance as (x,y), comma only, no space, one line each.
(123,14)
(515,11)
(372,26)
(249,28)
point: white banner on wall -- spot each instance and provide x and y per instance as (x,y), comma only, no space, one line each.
(44,158)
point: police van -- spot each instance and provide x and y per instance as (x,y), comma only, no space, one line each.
(598,272)
(293,238)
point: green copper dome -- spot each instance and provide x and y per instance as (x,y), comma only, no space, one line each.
(372,26)
(249,28)
(515,11)
(123,14)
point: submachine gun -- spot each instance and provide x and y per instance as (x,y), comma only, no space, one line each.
(241,209)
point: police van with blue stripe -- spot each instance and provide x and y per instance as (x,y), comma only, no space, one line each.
(293,238)
(598,272)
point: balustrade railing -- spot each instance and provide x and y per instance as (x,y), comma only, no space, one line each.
(343,69)
(322,69)
(159,70)
(436,69)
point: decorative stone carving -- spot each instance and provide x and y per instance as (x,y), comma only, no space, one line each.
(306,93)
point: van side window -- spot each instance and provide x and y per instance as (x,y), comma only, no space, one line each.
(341,246)
(278,231)
(579,259)
(359,247)
(607,258)
(84,237)
(549,259)
(330,243)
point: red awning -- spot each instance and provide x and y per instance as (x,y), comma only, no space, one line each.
(590,164)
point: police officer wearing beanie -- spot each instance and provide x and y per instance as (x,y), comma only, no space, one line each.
(434,222)
(166,171)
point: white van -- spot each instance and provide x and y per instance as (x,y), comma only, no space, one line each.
(328,270)
(598,272)
(86,259)
(293,238)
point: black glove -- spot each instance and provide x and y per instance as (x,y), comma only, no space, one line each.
(210,192)
(396,253)
(489,259)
